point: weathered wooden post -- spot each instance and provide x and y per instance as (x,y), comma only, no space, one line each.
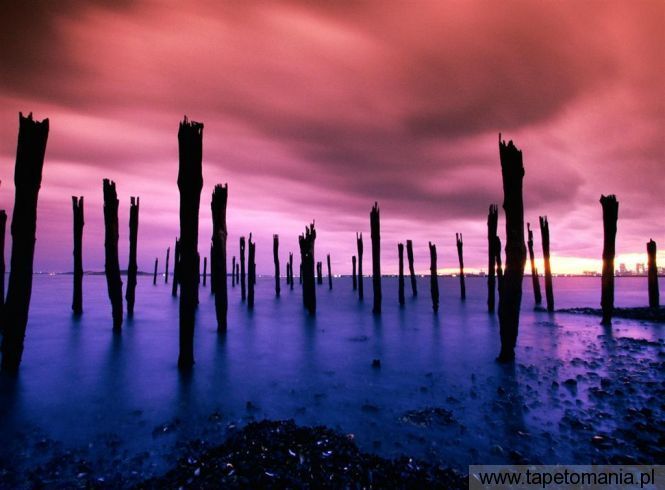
(243,290)
(205,270)
(154,274)
(251,272)
(176,268)
(375,228)
(400,253)
(434,277)
(492,223)
(412,273)
(291,269)
(545,237)
(288,274)
(610,216)
(132,267)
(190,183)
(237,272)
(353,272)
(654,294)
(77,207)
(329,272)
(32,137)
(319,273)
(3,228)
(300,276)
(233,272)
(534,271)
(166,269)
(359,243)
(512,171)
(306,242)
(218,256)
(499,268)
(112,264)
(460,256)
(275,258)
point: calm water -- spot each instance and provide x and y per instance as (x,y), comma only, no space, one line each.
(81,388)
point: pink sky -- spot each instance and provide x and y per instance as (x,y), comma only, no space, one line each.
(314,110)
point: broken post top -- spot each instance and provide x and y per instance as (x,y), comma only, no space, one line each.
(544,223)
(77,204)
(242,244)
(529,231)
(218,207)
(458,240)
(651,245)
(493,218)
(190,152)
(610,204)
(110,194)
(511,157)
(134,201)
(359,241)
(32,137)
(374,219)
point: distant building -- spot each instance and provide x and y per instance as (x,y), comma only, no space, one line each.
(622,269)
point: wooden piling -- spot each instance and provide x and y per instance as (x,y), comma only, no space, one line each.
(291,269)
(319,273)
(492,223)
(654,294)
(251,272)
(31,148)
(329,272)
(434,277)
(218,255)
(154,274)
(77,300)
(460,257)
(3,229)
(176,268)
(166,268)
(359,243)
(537,297)
(375,228)
(243,290)
(545,237)
(190,183)
(610,216)
(112,264)
(306,242)
(353,272)
(512,171)
(237,272)
(412,272)
(233,272)
(205,270)
(132,267)
(275,258)
(400,293)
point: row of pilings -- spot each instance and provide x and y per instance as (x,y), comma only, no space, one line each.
(31,150)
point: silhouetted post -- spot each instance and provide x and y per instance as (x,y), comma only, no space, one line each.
(291,269)
(176,268)
(433,277)
(77,207)
(275,257)
(359,243)
(492,223)
(460,256)
(288,274)
(205,270)
(243,291)
(112,264)
(32,137)
(610,216)
(654,294)
(166,269)
(300,276)
(353,272)
(412,272)
(306,242)
(375,228)
(329,272)
(512,171)
(534,271)
(190,182)
(400,253)
(251,272)
(132,267)
(154,274)
(237,272)
(545,237)
(233,272)
(499,268)
(319,273)
(218,256)
(3,228)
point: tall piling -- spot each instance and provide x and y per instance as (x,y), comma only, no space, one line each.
(243,284)
(537,297)
(353,273)
(112,263)
(460,257)
(359,244)
(77,208)
(176,268)
(400,292)
(654,294)
(154,274)
(492,224)
(190,183)
(275,258)
(329,272)
(306,242)
(319,273)
(291,270)
(610,216)
(31,148)
(545,237)
(434,277)
(3,229)
(233,272)
(512,172)
(375,227)
(218,256)
(251,272)
(205,270)
(166,268)
(132,267)
(412,272)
